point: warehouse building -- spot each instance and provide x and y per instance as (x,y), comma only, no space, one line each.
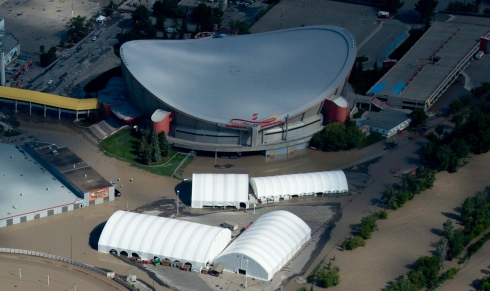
(219,190)
(29,191)
(273,188)
(266,246)
(146,236)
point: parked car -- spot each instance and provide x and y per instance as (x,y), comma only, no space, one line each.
(94,38)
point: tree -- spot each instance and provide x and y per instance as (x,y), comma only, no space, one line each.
(163,142)
(160,22)
(242,27)
(167,8)
(439,130)
(392,6)
(442,247)
(79,27)
(328,277)
(142,24)
(42,49)
(207,16)
(334,134)
(455,244)
(47,58)
(353,135)
(418,116)
(455,106)
(353,243)
(183,28)
(426,9)
(390,198)
(155,148)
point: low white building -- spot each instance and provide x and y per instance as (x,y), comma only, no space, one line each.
(219,190)
(266,246)
(285,186)
(387,122)
(145,236)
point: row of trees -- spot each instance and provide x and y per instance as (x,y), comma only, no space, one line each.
(409,185)
(470,135)
(456,6)
(78,28)
(152,147)
(475,217)
(364,230)
(338,136)
(424,275)
(362,80)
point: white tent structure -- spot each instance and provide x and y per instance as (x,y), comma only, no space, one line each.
(147,236)
(285,186)
(219,190)
(266,246)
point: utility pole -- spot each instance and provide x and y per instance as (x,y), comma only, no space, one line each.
(178,199)
(20,273)
(71,246)
(246,274)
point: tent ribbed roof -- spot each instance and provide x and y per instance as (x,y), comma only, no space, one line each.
(175,239)
(219,190)
(300,184)
(271,241)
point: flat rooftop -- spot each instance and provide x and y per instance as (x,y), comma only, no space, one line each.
(79,173)
(26,185)
(427,64)
(282,72)
(386,119)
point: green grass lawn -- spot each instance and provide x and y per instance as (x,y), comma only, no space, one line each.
(123,145)
(371,139)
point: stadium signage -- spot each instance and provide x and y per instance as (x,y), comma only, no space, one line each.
(244,124)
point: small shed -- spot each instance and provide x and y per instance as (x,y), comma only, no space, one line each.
(387,122)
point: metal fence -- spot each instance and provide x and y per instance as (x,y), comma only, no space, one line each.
(109,274)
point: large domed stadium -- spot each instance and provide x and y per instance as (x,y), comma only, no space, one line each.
(257,92)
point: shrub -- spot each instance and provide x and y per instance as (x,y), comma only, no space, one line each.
(381,214)
(329,277)
(353,243)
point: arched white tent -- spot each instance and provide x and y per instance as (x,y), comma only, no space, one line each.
(219,190)
(284,186)
(266,246)
(166,238)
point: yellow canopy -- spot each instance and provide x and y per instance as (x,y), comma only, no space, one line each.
(48,99)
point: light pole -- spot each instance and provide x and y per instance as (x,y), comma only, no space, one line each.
(71,246)
(246,274)
(178,199)
(48,279)
(20,273)
(75,287)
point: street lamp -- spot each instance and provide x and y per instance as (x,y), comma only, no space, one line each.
(246,274)
(71,246)
(20,273)
(48,279)
(178,199)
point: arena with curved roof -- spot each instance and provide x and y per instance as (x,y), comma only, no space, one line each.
(241,93)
